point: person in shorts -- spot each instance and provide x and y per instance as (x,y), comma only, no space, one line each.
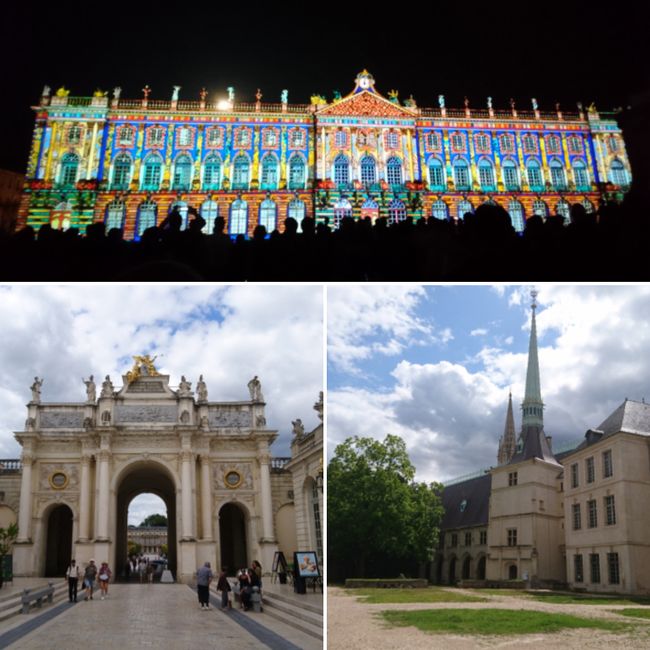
(89,579)
(104,577)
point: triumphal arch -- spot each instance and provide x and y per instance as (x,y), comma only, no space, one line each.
(83,463)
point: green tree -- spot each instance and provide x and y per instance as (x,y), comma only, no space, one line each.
(133,548)
(155,520)
(376,511)
(8,536)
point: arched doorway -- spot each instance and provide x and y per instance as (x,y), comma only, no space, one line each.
(439,565)
(512,572)
(466,567)
(452,571)
(58,541)
(140,478)
(232,535)
(480,568)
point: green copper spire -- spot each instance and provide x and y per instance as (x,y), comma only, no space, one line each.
(533,406)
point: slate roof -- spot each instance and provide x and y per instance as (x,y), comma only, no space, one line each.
(630,416)
(476,492)
(535,445)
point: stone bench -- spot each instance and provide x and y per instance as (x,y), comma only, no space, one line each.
(36,595)
(386,583)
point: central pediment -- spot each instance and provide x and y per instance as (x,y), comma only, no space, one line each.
(366,104)
(146,386)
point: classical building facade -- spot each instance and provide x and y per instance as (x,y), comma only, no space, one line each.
(83,463)
(574,518)
(128,163)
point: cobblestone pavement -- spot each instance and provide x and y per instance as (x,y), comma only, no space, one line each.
(141,616)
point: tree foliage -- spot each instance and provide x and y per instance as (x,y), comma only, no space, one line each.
(155,520)
(376,510)
(8,536)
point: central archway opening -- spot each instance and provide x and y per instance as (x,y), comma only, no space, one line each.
(145,478)
(232,527)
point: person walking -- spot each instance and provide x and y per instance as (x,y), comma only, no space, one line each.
(204,577)
(73,573)
(150,569)
(104,577)
(89,579)
(224,587)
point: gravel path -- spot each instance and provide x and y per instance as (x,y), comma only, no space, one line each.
(351,624)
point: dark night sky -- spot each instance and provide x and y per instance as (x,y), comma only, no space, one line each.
(583,53)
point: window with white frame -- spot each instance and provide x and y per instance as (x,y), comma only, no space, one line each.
(69,169)
(209,212)
(563,209)
(436,174)
(461,174)
(238,218)
(156,135)
(580,175)
(212,173)
(486,174)
(268,215)
(269,172)
(558,177)
(464,207)
(482,142)
(241,169)
(516,212)
(296,173)
(341,170)
(553,144)
(433,141)
(392,140)
(342,209)
(457,142)
(529,143)
(115,213)
(540,208)
(341,139)
(146,216)
(618,173)
(534,172)
(439,210)
(184,136)
(368,170)
(182,208)
(121,172)
(510,175)
(394,171)
(182,173)
(152,172)
(126,135)
(296,210)
(506,143)
(396,211)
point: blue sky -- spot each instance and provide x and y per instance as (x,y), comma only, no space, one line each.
(435,364)
(226,333)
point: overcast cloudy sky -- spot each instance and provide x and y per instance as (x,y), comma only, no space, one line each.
(435,364)
(228,334)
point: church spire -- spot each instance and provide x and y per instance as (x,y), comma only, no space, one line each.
(508,442)
(533,406)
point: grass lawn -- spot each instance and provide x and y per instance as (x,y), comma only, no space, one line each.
(640,613)
(494,621)
(587,599)
(428,595)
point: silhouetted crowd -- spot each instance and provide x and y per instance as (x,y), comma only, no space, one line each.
(610,244)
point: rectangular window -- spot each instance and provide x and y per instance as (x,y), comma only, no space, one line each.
(512,478)
(612,568)
(574,475)
(577,519)
(578,575)
(468,539)
(512,537)
(593,513)
(454,540)
(594,562)
(156,136)
(483,541)
(610,510)
(591,474)
(608,468)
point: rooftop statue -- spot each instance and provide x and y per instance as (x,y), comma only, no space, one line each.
(255,390)
(91,389)
(143,367)
(36,390)
(62,92)
(318,100)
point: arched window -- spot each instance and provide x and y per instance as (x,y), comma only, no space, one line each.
(436,174)
(212,173)
(241,168)
(296,173)
(69,169)
(210,212)
(618,173)
(394,171)
(581,175)
(368,170)
(439,210)
(152,172)
(146,217)
(115,213)
(563,209)
(461,174)
(269,180)
(463,207)
(121,172)
(268,215)
(510,175)
(341,170)
(370,208)
(558,177)
(540,208)
(534,172)
(182,173)
(516,211)
(297,211)
(486,175)
(238,218)
(342,209)
(396,211)
(181,207)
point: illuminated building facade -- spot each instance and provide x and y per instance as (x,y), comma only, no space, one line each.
(128,163)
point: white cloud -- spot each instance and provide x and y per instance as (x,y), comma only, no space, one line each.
(480,331)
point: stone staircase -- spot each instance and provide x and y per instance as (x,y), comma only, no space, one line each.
(305,613)
(10,603)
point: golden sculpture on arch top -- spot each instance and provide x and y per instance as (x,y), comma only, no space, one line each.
(143,367)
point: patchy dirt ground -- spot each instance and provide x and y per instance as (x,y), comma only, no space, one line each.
(353,625)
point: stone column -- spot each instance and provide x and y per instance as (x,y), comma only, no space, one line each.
(25,513)
(265,488)
(104,495)
(186,489)
(206,498)
(84,499)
